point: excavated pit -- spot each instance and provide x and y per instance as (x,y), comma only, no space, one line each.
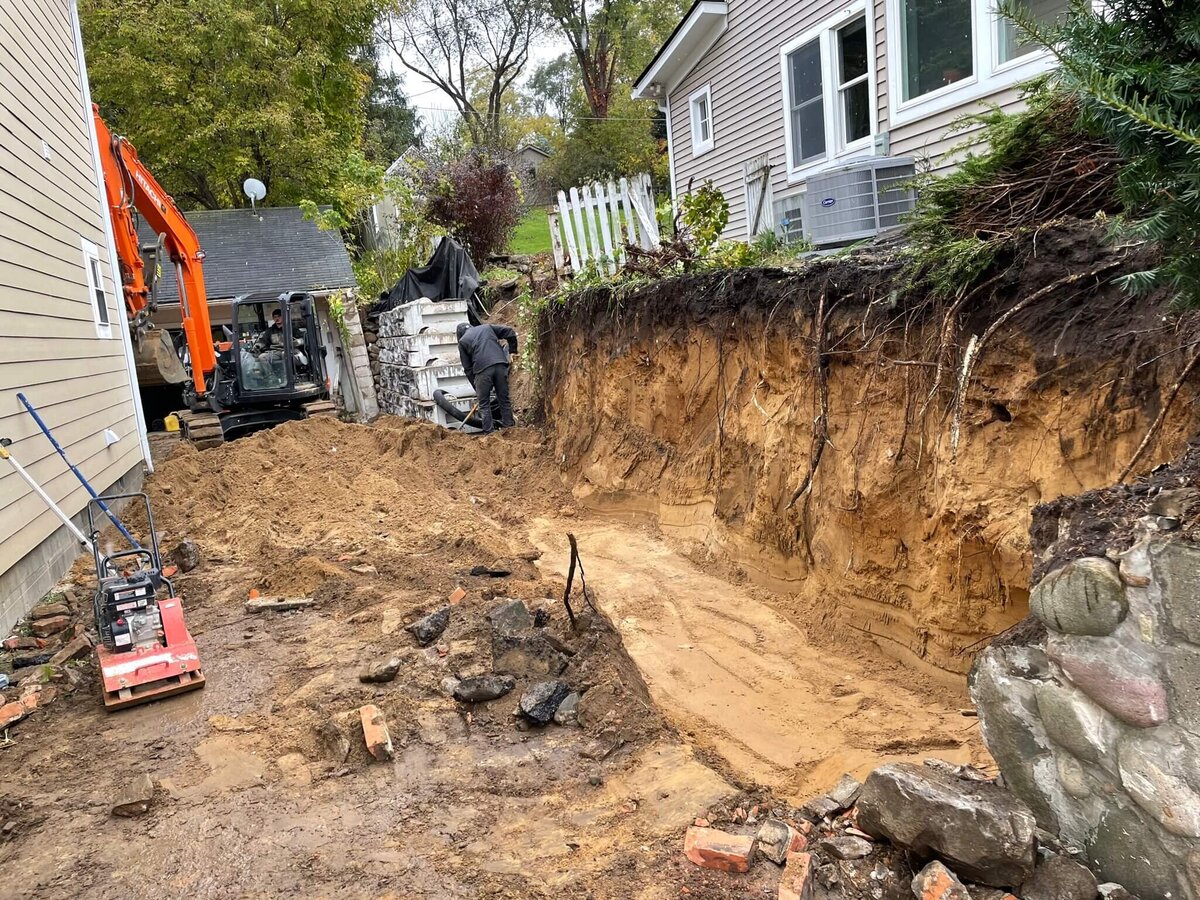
(693,403)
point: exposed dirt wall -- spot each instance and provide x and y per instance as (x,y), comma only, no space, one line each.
(694,403)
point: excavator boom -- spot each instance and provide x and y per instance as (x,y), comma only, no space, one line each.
(128,185)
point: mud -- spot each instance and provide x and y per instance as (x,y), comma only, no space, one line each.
(693,405)
(379,525)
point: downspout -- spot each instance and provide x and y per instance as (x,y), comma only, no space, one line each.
(113,265)
(670,147)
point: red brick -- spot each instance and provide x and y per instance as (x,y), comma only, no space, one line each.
(11,713)
(52,625)
(21,643)
(77,649)
(936,882)
(797,880)
(375,733)
(458,596)
(49,610)
(713,849)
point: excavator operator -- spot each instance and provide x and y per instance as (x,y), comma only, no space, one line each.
(272,337)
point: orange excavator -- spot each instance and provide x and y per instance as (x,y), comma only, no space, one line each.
(260,374)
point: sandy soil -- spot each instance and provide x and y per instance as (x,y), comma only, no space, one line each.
(379,525)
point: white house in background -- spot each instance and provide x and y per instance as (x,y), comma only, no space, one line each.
(63,339)
(810,115)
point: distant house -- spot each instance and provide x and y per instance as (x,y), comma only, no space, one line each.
(810,114)
(63,338)
(276,249)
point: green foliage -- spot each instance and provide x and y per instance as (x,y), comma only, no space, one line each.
(337,311)
(359,185)
(392,124)
(704,214)
(214,91)
(624,144)
(1134,66)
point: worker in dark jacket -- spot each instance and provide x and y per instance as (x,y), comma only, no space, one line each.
(482,353)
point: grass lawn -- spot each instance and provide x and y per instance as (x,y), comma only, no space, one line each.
(532,234)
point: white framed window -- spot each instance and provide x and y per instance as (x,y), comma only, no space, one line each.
(700,104)
(949,52)
(828,90)
(97,298)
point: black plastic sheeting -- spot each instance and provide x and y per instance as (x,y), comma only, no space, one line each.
(449,275)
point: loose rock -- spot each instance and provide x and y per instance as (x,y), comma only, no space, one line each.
(335,741)
(846,847)
(1060,878)
(936,882)
(1085,596)
(76,649)
(46,610)
(1112,891)
(48,626)
(714,849)
(381,672)
(567,712)
(430,628)
(797,880)
(484,688)
(186,555)
(526,655)
(776,839)
(541,701)
(134,796)
(988,835)
(846,791)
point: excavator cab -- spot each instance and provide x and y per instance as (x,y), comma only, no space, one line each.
(272,367)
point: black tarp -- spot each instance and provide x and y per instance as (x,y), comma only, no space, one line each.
(449,275)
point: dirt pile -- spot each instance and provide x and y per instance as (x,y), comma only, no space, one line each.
(849,466)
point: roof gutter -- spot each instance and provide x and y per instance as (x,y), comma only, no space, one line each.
(704,23)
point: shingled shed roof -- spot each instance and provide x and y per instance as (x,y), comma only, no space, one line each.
(272,249)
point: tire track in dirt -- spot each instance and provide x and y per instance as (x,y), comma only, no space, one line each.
(742,680)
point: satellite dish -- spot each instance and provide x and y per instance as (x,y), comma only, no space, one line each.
(254,189)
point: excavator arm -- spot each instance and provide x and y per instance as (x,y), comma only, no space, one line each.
(128,185)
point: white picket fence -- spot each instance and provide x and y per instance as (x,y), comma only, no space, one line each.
(593,223)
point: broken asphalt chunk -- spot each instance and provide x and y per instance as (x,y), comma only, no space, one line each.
(484,688)
(430,628)
(511,617)
(541,701)
(714,849)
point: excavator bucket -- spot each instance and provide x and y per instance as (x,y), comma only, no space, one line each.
(157,361)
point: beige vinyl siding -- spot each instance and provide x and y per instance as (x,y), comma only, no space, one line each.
(743,71)
(49,343)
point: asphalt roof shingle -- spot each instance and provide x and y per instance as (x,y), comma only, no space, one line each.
(270,249)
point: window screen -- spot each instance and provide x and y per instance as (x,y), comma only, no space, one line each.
(854,87)
(936,36)
(807,103)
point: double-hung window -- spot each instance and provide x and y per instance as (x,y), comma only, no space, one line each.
(948,52)
(95,289)
(828,77)
(702,125)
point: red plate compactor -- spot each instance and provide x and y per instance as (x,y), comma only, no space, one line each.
(145,650)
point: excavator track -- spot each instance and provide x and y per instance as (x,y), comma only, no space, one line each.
(320,408)
(201,429)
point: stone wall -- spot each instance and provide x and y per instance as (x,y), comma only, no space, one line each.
(1096,725)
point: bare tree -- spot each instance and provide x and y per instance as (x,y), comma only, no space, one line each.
(458,45)
(595,31)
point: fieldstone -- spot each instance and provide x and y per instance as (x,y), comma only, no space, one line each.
(1157,769)
(1126,850)
(846,791)
(134,796)
(541,701)
(1125,680)
(821,807)
(449,685)
(334,741)
(430,628)
(568,711)
(936,882)
(186,555)
(1012,730)
(1111,891)
(1086,596)
(526,655)
(1060,878)
(714,849)
(484,688)
(381,672)
(511,617)
(1072,720)
(776,839)
(76,649)
(605,744)
(1177,568)
(846,847)
(52,625)
(1072,775)
(46,610)
(987,834)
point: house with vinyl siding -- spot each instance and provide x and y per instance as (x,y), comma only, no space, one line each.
(810,115)
(63,339)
